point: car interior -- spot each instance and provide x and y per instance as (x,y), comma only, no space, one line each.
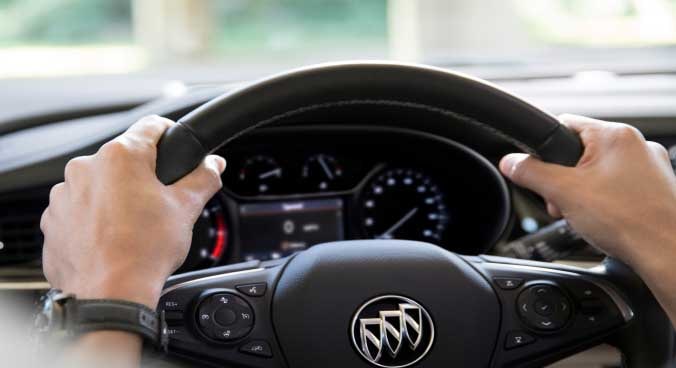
(362,142)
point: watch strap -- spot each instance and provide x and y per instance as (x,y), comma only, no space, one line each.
(90,315)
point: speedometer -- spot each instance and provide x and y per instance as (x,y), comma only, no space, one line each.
(404,204)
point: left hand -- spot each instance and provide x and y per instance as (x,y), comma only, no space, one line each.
(112,229)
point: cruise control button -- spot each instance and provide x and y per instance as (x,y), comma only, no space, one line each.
(171,305)
(517,338)
(173,317)
(177,333)
(257,347)
(257,289)
(508,283)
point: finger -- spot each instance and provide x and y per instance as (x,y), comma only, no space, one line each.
(203,182)
(148,130)
(75,168)
(56,193)
(44,220)
(579,123)
(659,150)
(57,200)
(529,172)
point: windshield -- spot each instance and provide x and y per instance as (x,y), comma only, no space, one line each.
(239,38)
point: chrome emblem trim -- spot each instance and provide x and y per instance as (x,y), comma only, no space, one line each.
(392,331)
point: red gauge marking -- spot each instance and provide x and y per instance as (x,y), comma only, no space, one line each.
(221,237)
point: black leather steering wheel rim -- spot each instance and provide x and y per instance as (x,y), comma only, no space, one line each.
(466,99)
(343,84)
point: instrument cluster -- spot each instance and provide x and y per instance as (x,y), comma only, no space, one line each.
(263,174)
(284,192)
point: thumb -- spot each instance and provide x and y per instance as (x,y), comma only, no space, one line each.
(531,173)
(204,181)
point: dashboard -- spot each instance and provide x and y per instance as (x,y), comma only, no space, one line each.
(289,188)
(342,175)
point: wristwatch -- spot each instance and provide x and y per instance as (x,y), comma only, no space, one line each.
(61,316)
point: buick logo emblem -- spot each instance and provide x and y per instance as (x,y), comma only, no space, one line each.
(392,331)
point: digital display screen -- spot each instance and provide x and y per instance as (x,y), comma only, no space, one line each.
(275,229)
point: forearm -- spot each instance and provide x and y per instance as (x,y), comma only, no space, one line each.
(655,263)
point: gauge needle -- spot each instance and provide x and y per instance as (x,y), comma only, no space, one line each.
(387,234)
(275,172)
(325,168)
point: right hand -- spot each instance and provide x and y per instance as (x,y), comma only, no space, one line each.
(621,196)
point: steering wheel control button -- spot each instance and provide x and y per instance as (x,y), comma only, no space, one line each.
(227,334)
(259,348)
(253,289)
(591,305)
(173,317)
(176,333)
(516,339)
(225,317)
(543,307)
(172,305)
(508,283)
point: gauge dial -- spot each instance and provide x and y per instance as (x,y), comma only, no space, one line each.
(321,172)
(260,174)
(404,204)
(209,238)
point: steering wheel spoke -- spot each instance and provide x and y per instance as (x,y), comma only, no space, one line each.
(222,315)
(550,311)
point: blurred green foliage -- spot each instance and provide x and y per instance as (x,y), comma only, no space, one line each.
(298,24)
(238,25)
(65,22)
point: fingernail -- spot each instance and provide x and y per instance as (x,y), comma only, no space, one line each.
(506,164)
(219,162)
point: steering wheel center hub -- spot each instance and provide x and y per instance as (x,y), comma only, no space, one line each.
(385,303)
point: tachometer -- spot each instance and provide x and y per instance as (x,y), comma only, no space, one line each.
(404,204)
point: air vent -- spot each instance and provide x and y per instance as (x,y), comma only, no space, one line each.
(20,235)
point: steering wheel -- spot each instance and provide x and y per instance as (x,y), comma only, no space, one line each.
(395,303)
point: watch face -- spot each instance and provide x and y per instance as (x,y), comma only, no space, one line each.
(50,311)
(43,317)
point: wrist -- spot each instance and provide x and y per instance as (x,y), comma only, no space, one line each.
(652,256)
(142,290)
